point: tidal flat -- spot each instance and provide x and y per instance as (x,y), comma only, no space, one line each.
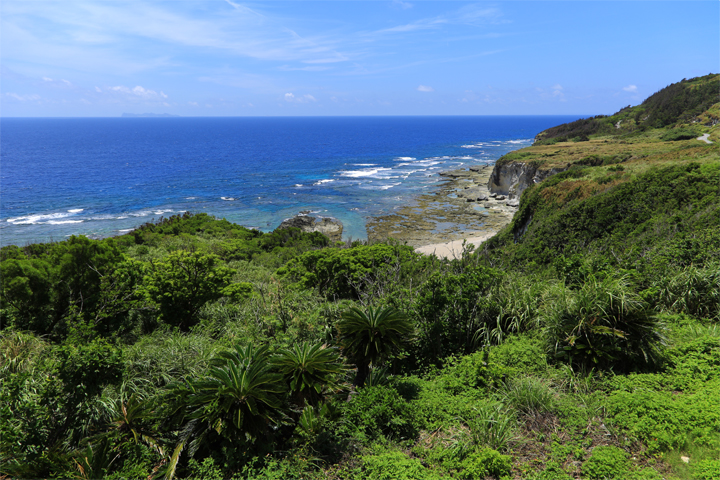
(448,213)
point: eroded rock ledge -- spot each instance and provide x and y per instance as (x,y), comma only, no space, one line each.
(329,226)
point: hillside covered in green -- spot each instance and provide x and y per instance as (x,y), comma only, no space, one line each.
(582,341)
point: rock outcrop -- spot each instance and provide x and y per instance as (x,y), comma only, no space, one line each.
(513,178)
(328,226)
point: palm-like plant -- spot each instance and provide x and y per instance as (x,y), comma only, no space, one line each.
(127,421)
(237,400)
(603,324)
(372,336)
(308,370)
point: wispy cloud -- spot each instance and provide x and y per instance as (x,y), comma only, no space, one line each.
(23,98)
(425,88)
(137,91)
(467,15)
(307,98)
(401,4)
(631,88)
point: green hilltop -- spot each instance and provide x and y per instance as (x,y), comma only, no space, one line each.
(582,341)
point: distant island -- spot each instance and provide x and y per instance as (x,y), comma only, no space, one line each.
(148,115)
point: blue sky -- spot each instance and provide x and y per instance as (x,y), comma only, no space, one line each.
(227,57)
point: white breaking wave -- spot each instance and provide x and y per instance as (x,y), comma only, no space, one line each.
(62,222)
(320,182)
(380,187)
(76,210)
(227,199)
(36,219)
(404,159)
(366,172)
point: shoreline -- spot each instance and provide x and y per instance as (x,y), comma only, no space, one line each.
(460,209)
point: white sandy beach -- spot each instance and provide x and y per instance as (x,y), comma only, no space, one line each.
(454,249)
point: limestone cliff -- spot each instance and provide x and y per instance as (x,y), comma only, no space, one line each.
(512,178)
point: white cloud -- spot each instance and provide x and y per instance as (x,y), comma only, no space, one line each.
(401,4)
(630,88)
(289,97)
(141,92)
(98,89)
(23,98)
(194,104)
(47,79)
(425,88)
(137,91)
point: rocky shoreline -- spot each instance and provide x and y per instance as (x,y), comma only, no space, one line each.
(461,207)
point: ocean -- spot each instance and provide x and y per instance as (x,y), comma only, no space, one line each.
(105,176)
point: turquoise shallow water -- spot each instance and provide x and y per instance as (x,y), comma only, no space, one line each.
(103,176)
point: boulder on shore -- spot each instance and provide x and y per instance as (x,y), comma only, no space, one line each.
(473,194)
(328,226)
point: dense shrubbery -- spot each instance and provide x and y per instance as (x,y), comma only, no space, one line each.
(583,342)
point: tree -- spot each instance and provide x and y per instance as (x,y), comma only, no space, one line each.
(308,370)
(183,283)
(372,336)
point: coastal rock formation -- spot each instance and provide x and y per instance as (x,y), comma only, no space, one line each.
(513,178)
(473,194)
(328,226)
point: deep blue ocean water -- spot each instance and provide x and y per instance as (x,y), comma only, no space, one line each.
(104,176)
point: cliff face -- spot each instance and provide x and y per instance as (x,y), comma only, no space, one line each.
(513,178)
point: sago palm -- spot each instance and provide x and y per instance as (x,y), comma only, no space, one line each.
(372,336)
(308,370)
(238,399)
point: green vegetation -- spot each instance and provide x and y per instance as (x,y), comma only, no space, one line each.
(583,341)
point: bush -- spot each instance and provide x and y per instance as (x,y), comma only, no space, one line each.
(380,411)
(455,312)
(485,462)
(183,283)
(679,134)
(706,470)
(393,465)
(529,396)
(606,463)
(345,272)
(603,324)
(664,421)
(692,290)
